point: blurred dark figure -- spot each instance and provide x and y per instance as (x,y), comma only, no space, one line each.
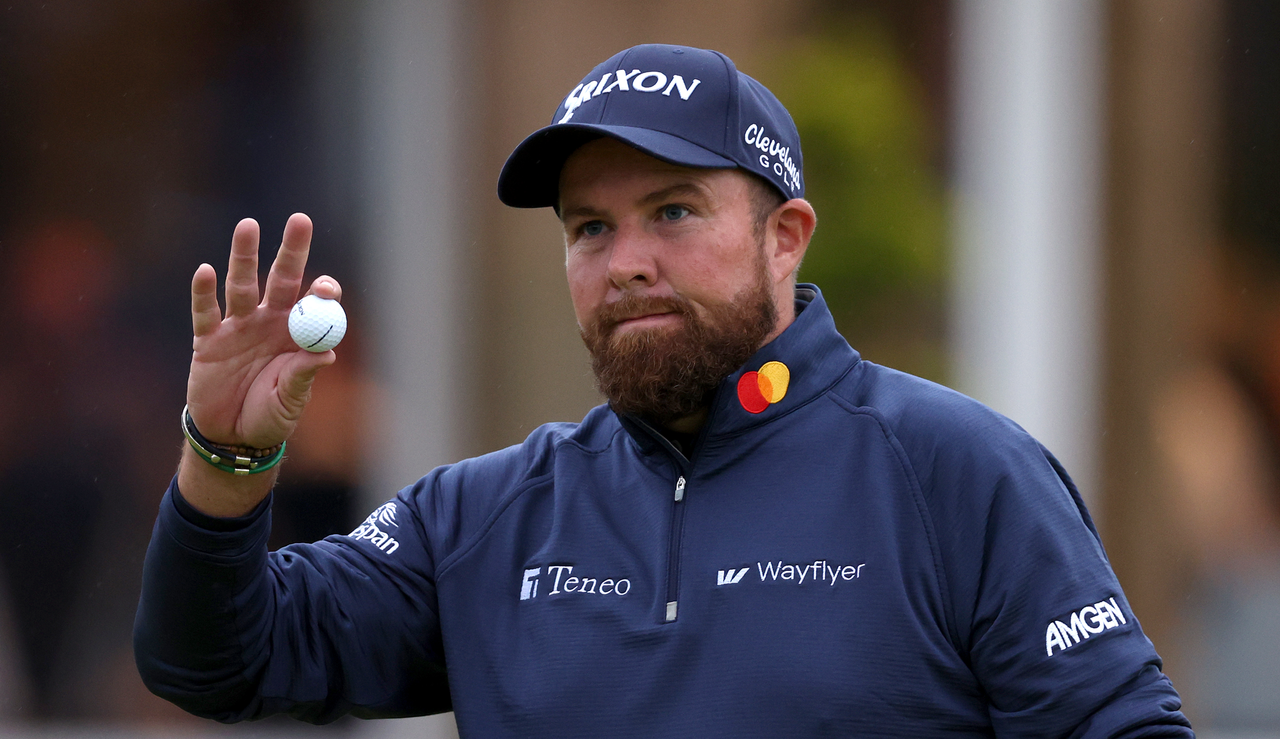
(74,387)
(88,434)
(1219,422)
(132,136)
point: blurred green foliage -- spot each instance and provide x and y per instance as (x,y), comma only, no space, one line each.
(878,253)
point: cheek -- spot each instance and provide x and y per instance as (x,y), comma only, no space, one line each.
(586,289)
(721,269)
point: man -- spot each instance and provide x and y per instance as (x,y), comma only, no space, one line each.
(760,535)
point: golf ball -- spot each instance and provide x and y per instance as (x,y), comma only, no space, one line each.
(317,324)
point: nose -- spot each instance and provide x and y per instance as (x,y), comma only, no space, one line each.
(633,259)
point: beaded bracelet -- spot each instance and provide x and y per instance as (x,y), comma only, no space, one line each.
(226,459)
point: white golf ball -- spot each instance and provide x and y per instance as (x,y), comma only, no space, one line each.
(317,324)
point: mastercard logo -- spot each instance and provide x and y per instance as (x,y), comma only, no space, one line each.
(764,387)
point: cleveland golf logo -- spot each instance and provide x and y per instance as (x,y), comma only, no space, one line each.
(764,387)
(774,156)
(625,81)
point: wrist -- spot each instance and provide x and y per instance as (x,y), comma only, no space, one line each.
(236,460)
(216,493)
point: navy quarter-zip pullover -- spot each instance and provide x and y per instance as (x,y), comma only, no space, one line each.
(870,555)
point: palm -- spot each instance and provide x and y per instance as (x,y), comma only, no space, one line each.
(249,382)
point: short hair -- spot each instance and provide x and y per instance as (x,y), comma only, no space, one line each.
(765,199)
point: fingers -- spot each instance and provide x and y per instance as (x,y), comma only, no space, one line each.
(285,277)
(242,269)
(205,313)
(294,385)
(326,287)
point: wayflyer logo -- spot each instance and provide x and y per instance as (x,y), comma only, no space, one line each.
(764,387)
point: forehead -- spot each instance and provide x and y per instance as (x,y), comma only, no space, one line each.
(609,167)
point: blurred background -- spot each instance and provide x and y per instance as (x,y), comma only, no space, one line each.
(1070,210)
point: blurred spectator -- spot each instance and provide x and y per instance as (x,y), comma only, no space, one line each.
(132,138)
(79,393)
(1218,422)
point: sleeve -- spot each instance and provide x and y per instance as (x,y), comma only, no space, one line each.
(228,631)
(1039,613)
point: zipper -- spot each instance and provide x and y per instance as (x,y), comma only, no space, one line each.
(673,554)
(683,466)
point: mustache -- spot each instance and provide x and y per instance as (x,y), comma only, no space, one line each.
(632,306)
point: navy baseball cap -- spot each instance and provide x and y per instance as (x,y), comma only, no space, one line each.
(682,105)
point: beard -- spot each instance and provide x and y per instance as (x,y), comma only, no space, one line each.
(670,372)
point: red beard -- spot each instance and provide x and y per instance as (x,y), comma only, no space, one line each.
(670,372)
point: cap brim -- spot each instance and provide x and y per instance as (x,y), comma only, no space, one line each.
(531,176)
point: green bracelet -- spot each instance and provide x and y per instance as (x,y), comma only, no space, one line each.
(234,464)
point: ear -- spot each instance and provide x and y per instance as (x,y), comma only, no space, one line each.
(791,227)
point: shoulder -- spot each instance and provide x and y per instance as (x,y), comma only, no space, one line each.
(998,506)
(925,417)
(967,459)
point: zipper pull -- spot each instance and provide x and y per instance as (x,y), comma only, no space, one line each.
(680,489)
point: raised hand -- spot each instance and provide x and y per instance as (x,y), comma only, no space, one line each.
(249,381)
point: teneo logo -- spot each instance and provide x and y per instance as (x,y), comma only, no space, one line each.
(774,157)
(371,529)
(1083,624)
(624,81)
(529,585)
(819,570)
(563,581)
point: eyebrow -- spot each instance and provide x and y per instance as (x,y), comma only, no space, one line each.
(684,188)
(582,210)
(657,196)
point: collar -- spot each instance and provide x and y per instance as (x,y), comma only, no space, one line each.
(810,355)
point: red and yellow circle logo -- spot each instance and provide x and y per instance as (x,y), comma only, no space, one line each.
(764,387)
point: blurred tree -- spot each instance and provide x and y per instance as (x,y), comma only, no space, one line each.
(878,253)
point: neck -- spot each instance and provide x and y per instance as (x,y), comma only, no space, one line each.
(690,424)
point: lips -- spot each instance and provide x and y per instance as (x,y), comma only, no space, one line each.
(632,311)
(643,318)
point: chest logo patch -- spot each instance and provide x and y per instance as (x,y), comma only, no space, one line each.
(562,580)
(764,387)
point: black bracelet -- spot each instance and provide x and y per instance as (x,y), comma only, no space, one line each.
(224,449)
(227,460)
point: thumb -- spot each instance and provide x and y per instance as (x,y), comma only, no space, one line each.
(294,385)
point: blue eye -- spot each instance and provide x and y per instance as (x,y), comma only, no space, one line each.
(674,212)
(592,228)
